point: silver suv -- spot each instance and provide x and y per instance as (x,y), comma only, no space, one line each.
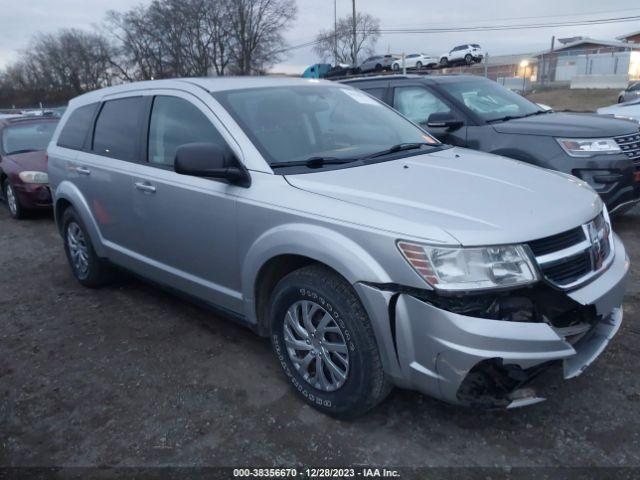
(371,254)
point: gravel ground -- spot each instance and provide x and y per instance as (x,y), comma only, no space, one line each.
(131,376)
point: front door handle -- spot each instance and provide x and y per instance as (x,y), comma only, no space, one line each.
(83,171)
(145,187)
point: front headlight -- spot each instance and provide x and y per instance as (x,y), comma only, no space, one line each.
(457,269)
(34,177)
(588,147)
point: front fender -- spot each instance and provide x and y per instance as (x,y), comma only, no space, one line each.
(67,191)
(321,244)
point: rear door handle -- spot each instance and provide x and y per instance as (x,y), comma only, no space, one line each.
(145,187)
(83,171)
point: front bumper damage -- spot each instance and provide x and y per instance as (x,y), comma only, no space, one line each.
(486,362)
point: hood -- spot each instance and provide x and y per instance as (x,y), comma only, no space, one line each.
(557,124)
(478,198)
(627,109)
(31,161)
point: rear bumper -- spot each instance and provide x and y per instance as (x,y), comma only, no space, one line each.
(443,354)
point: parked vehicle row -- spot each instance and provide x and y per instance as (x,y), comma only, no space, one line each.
(474,112)
(370,253)
(23,164)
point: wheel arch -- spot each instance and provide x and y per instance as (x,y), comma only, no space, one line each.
(68,195)
(287,248)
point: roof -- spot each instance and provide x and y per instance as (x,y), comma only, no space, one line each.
(426,78)
(210,84)
(637,32)
(589,40)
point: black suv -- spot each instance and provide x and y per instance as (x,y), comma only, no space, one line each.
(477,113)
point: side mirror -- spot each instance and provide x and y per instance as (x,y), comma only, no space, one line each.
(444,120)
(212,161)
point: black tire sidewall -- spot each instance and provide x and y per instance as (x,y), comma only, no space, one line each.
(92,278)
(349,397)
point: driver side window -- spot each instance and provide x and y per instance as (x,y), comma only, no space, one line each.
(175,122)
(417,103)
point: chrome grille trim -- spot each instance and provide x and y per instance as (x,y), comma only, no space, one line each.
(630,146)
(587,247)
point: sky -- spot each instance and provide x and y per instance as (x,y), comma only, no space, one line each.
(21,19)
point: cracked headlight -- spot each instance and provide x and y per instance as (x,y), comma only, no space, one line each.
(587,147)
(34,177)
(459,269)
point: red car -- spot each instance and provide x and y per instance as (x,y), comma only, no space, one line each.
(23,162)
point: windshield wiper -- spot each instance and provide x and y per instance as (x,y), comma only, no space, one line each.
(25,150)
(400,147)
(505,118)
(314,162)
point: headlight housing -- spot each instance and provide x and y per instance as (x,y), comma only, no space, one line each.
(34,177)
(588,147)
(461,269)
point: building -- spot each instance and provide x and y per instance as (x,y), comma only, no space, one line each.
(633,37)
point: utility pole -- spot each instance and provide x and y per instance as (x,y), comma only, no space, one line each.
(335,32)
(354,53)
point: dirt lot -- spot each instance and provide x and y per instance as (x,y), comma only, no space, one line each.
(588,100)
(130,376)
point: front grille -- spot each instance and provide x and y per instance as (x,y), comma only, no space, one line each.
(570,258)
(557,242)
(630,145)
(569,269)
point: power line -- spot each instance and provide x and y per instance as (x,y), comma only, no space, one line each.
(481,28)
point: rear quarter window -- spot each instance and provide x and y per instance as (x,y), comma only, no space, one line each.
(75,131)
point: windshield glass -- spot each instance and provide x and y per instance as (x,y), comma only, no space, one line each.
(489,100)
(27,137)
(293,124)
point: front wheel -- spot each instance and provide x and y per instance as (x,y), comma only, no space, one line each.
(418,65)
(396,67)
(325,343)
(620,99)
(12,200)
(444,61)
(468,59)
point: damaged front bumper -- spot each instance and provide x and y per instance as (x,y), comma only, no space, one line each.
(469,360)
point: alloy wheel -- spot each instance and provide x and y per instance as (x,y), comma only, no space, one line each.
(316,345)
(12,201)
(78,249)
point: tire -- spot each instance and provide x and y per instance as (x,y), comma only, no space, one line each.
(12,201)
(89,269)
(620,99)
(395,67)
(418,65)
(361,383)
(468,59)
(378,68)
(444,62)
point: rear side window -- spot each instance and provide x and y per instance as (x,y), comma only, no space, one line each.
(75,131)
(376,92)
(175,122)
(117,131)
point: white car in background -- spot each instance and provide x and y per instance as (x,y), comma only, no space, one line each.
(415,60)
(468,53)
(628,110)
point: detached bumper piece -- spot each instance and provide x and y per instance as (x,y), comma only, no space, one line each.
(488,350)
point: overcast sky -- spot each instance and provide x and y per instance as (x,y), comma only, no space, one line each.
(20,19)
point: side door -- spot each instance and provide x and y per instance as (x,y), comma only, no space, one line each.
(418,104)
(187,224)
(104,170)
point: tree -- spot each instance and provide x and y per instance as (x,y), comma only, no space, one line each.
(367,34)
(256,30)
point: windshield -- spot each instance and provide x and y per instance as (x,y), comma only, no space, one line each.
(27,137)
(489,100)
(294,124)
